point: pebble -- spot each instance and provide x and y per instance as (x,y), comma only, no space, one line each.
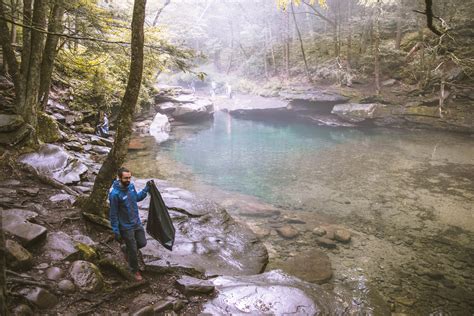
(319,231)
(54,273)
(342,235)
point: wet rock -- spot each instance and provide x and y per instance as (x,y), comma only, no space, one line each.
(23,310)
(319,231)
(55,162)
(342,235)
(189,285)
(54,273)
(191,112)
(10,122)
(314,267)
(261,232)
(26,232)
(357,112)
(66,286)
(276,293)
(207,240)
(61,197)
(160,128)
(25,214)
(86,276)
(287,232)
(28,191)
(330,233)
(325,242)
(59,246)
(40,297)
(17,256)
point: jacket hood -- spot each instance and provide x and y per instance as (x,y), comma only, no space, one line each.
(117,185)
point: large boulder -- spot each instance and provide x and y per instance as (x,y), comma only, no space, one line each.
(55,162)
(160,127)
(48,128)
(207,238)
(276,293)
(196,111)
(86,276)
(27,233)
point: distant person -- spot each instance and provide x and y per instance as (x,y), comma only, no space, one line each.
(125,219)
(192,85)
(213,89)
(103,128)
(228,89)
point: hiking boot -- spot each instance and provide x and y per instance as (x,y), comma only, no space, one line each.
(138,276)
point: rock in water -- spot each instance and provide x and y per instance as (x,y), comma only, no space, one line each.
(40,297)
(319,231)
(189,285)
(86,276)
(17,256)
(287,232)
(313,267)
(325,242)
(342,235)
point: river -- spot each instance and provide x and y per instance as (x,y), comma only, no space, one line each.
(405,195)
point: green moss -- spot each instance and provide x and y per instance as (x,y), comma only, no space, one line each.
(48,129)
(86,252)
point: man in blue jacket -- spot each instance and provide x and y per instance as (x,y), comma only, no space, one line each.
(125,219)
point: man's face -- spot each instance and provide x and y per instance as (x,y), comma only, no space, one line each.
(125,178)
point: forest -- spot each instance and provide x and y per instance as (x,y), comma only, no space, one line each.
(309,156)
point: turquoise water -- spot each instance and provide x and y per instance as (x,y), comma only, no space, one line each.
(251,157)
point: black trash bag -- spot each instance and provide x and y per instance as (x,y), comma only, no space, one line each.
(159,224)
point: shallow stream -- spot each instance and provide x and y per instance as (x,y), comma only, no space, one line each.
(406,196)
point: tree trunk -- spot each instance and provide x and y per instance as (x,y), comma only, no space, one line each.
(349,36)
(97,200)
(15,5)
(377,44)
(49,55)
(301,42)
(8,52)
(3,283)
(287,44)
(398,38)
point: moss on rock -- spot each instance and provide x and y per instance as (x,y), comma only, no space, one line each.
(48,129)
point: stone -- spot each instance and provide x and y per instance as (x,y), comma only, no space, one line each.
(389,82)
(42,266)
(28,191)
(59,246)
(26,232)
(40,297)
(84,239)
(316,96)
(86,276)
(145,311)
(160,128)
(54,273)
(17,256)
(200,109)
(101,150)
(74,146)
(66,286)
(287,232)
(342,235)
(166,107)
(189,285)
(357,112)
(277,293)
(55,162)
(325,242)
(314,266)
(319,231)
(61,197)
(10,122)
(23,310)
(25,214)
(48,128)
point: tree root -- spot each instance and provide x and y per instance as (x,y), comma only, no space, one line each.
(97,220)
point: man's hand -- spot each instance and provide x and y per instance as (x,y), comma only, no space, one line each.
(150,182)
(118,238)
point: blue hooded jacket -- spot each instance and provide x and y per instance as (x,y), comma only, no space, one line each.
(124,208)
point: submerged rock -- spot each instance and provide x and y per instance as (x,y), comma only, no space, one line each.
(342,235)
(314,266)
(287,232)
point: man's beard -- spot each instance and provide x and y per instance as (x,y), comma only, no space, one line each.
(125,183)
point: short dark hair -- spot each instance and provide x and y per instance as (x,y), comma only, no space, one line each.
(121,170)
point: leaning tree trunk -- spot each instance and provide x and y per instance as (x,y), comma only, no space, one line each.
(97,200)
(50,51)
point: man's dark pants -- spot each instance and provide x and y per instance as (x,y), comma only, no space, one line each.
(134,239)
